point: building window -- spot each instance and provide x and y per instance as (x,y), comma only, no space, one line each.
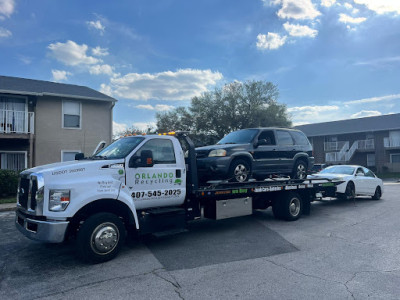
(395,158)
(370,160)
(16,161)
(71,114)
(68,155)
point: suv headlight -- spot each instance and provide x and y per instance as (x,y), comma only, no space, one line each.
(217,152)
(59,199)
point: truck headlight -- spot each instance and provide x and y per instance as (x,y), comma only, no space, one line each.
(217,152)
(59,199)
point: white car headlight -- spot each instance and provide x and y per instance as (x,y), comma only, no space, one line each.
(59,199)
(217,152)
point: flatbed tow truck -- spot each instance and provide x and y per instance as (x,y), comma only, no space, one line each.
(143,185)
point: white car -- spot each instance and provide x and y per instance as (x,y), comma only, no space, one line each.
(357,181)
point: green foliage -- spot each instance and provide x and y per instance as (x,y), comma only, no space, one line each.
(234,106)
(8,182)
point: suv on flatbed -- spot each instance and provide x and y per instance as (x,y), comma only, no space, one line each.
(257,153)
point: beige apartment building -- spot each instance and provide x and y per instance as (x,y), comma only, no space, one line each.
(44,122)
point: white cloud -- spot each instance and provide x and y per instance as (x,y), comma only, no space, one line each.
(96,25)
(158,107)
(119,128)
(144,125)
(59,75)
(106,89)
(180,85)
(4,33)
(348,19)
(6,8)
(270,41)
(366,113)
(300,30)
(98,51)
(313,114)
(328,3)
(72,54)
(381,6)
(101,69)
(348,5)
(374,99)
(297,9)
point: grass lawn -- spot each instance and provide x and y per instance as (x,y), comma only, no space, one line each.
(8,199)
(388,175)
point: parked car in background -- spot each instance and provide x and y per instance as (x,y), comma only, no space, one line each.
(358,180)
(257,153)
(318,168)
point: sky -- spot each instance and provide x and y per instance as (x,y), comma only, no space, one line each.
(331,59)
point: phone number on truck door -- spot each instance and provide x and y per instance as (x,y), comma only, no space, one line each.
(158,193)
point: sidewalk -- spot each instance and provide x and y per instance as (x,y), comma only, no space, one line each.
(8,207)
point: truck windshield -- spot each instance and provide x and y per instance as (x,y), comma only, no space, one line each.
(239,137)
(120,148)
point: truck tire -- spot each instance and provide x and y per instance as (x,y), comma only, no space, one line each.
(289,207)
(239,171)
(299,170)
(100,238)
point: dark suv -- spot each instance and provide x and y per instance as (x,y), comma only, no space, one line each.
(257,153)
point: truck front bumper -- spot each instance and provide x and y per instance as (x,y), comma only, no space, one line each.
(43,231)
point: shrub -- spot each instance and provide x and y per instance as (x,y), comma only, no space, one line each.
(8,182)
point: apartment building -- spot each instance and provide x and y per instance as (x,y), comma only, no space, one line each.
(43,122)
(373,142)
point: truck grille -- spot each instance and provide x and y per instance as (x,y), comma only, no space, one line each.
(26,193)
(23,192)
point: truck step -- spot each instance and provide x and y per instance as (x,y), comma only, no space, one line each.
(169,232)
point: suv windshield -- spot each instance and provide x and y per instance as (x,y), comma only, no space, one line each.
(239,137)
(120,148)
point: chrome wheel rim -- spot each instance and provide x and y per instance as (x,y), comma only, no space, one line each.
(301,171)
(294,207)
(104,238)
(240,173)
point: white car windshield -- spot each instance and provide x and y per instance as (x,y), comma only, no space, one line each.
(338,170)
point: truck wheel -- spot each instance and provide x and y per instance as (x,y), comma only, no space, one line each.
(100,238)
(291,206)
(378,193)
(299,170)
(239,171)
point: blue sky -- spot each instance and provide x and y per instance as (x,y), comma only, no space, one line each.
(330,59)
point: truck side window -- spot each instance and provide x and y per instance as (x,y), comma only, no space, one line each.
(163,151)
(268,136)
(284,138)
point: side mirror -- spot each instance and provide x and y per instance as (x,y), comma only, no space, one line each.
(145,160)
(79,156)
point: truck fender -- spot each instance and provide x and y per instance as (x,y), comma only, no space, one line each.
(127,199)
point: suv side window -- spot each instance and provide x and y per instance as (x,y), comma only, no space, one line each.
(163,151)
(284,138)
(268,136)
(299,138)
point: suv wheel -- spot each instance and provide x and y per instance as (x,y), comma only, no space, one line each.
(299,170)
(239,171)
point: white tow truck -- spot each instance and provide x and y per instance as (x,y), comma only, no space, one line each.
(142,185)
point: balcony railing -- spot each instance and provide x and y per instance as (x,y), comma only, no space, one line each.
(333,146)
(391,142)
(16,121)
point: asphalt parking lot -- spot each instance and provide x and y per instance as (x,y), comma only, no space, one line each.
(343,250)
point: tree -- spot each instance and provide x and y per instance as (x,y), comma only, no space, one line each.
(234,106)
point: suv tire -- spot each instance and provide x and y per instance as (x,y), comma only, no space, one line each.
(300,170)
(239,171)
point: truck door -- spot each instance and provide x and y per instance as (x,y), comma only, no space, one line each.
(162,183)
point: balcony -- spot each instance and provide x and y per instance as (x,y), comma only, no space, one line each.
(391,142)
(16,122)
(334,146)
